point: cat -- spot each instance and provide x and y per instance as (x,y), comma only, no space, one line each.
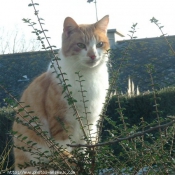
(84,50)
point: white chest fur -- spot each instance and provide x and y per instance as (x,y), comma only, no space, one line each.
(94,89)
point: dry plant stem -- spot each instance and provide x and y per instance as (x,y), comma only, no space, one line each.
(38,151)
(38,131)
(62,75)
(120,111)
(158,117)
(156,106)
(135,147)
(93,161)
(14,43)
(111,87)
(137,134)
(122,117)
(168,44)
(160,28)
(5,158)
(84,103)
(142,138)
(172,142)
(124,148)
(86,115)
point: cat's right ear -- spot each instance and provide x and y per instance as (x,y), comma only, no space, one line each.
(103,23)
(69,26)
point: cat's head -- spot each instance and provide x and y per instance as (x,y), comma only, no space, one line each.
(88,44)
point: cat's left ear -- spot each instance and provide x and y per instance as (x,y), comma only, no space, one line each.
(103,23)
(69,25)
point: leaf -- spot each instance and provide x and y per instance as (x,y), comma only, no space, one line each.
(13,132)
(21,109)
(24,138)
(19,136)
(29,142)
(30,5)
(34,144)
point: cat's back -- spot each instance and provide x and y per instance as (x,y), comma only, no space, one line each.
(39,84)
(43,95)
(38,89)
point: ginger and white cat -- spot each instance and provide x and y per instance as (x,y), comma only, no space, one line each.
(83,50)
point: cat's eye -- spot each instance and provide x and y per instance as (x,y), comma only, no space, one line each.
(100,44)
(81,45)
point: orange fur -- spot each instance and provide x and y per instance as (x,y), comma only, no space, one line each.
(43,96)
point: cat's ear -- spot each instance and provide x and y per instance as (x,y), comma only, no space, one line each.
(69,25)
(103,23)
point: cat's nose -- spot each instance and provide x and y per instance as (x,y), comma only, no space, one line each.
(92,57)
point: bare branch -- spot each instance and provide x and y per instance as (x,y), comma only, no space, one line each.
(14,41)
(137,134)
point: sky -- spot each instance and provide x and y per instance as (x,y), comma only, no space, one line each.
(122,13)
